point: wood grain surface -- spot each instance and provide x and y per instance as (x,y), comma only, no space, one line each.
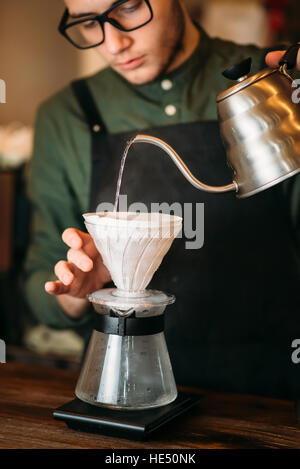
(29,394)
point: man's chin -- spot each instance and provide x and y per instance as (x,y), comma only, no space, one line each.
(140,76)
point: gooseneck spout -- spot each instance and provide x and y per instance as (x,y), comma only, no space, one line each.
(182,167)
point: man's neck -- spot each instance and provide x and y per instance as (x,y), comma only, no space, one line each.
(190,41)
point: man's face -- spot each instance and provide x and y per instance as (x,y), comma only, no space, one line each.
(142,55)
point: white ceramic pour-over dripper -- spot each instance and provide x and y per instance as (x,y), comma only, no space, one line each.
(132,245)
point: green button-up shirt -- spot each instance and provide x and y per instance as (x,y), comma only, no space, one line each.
(59,182)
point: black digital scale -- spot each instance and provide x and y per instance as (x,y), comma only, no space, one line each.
(130,424)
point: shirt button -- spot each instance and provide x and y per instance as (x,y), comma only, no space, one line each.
(166,85)
(170,110)
(96,128)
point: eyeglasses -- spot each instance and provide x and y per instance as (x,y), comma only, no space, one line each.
(125,15)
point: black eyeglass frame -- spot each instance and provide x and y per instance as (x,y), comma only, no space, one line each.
(101,19)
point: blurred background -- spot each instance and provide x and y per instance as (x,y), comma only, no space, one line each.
(35,62)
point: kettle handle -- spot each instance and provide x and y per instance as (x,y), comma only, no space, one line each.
(182,167)
(289,59)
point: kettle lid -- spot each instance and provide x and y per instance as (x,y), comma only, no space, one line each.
(240,72)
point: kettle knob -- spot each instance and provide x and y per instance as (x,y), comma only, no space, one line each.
(239,71)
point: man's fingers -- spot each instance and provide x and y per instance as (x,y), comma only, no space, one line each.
(79,258)
(63,270)
(77,240)
(74,238)
(56,288)
(273,58)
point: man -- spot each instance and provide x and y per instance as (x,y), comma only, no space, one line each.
(163,77)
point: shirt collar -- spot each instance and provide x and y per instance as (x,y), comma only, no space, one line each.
(181,75)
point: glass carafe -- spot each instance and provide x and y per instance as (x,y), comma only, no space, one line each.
(128,371)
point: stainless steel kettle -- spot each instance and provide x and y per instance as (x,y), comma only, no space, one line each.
(260,129)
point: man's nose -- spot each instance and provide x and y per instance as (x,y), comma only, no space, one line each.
(116,41)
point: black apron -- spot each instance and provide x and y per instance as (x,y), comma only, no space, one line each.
(238,303)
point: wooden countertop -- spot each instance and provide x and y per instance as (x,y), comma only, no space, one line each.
(29,394)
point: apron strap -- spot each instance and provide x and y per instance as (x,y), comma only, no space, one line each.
(100,149)
(88,106)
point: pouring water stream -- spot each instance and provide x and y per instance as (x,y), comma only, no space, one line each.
(123,161)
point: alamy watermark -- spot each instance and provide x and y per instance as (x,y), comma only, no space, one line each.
(191,213)
(2,351)
(2,91)
(296,353)
(296,93)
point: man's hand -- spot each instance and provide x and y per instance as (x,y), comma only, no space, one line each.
(273,58)
(83,273)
